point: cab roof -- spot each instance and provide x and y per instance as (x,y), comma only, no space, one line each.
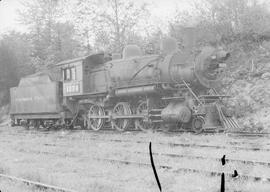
(97,58)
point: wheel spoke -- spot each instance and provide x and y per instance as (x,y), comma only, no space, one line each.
(95,123)
(121,108)
(140,123)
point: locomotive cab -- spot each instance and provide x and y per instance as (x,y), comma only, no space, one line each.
(71,76)
(94,75)
(83,75)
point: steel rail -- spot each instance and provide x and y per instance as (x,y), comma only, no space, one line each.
(190,170)
(197,145)
(172,144)
(247,134)
(36,184)
(206,131)
(173,155)
(183,169)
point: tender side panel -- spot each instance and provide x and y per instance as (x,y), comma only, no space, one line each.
(42,98)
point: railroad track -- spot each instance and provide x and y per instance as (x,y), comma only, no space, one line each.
(37,185)
(173,132)
(171,144)
(187,170)
(169,155)
(247,134)
(173,155)
(197,145)
(245,162)
(165,166)
(185,145)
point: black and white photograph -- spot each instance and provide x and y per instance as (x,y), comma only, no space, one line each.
(134,95)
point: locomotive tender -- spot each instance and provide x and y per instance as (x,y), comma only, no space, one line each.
(173,89)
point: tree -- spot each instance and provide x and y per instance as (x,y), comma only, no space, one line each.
(227,20)
(51,37)
(110,24)
(15,51)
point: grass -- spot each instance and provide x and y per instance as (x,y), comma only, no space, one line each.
(70,164)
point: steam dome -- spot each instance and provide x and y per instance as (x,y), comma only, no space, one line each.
(116,56)
(168,45)
(131,51)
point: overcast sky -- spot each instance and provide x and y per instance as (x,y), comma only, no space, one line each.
(161,11)
(8,15)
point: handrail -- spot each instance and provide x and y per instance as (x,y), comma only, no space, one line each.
(190,90)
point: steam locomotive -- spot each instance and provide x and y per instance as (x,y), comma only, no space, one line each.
(174,89)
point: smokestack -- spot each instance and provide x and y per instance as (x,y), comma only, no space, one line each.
(189,38)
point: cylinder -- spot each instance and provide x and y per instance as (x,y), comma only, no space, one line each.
(176,112)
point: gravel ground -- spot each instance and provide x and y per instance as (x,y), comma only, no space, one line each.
(73,160)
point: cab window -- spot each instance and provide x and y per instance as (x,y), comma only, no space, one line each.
(73,73)
(69,74)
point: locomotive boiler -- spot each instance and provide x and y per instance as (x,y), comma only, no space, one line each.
(174,89)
